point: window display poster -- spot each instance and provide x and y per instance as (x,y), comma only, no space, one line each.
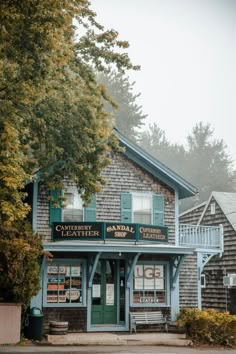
(138,277)
(73,271)
(110,294)
(149,277)
(159,277)
(57,269)
(96,290)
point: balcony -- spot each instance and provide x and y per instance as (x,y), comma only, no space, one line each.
(207,238)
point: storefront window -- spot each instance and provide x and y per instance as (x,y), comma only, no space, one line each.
(149,284)
(65,283)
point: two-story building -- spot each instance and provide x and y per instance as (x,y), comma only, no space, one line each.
(122,253)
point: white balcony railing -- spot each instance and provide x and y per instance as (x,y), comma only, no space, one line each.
(200,236)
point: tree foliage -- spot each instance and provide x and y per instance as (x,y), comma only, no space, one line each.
(204,161)
(127,114)
(20,253)
(52,117)
(50,101)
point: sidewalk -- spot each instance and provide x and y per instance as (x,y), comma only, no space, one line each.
(169,339)
(83,340)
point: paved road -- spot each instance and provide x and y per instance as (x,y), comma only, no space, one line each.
(112,350)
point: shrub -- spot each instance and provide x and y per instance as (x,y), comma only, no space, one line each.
(209,326)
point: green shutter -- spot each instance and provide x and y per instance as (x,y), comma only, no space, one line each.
(126,207)
(90,211)
(158,210)
(55,213)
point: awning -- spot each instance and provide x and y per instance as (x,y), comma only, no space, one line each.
(113,247)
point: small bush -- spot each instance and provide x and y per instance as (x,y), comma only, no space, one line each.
(209,326)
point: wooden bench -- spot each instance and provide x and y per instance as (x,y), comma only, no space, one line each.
(147,318)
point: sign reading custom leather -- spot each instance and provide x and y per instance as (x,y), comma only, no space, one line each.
(153,233)
(108,231)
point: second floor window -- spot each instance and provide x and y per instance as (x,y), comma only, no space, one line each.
(142,209)
(73,210)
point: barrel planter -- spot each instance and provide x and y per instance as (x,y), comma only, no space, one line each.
(58,327)
(10,323)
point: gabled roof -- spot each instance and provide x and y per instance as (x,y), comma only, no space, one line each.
(201,205)
(156,168)
(227,203)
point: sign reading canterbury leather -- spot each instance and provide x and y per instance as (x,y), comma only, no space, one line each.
(153,233)
(120,231)
(77,230)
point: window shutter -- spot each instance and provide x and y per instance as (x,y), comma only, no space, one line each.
(158,209)
(55,212)
(90,211)
(126,207)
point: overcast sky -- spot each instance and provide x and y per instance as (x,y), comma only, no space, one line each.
(187,53)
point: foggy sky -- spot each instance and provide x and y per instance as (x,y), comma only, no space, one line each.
(187,52)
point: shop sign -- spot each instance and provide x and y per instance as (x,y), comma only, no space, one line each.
(73,271)
(55,298)
(55,286)
(109,231)
(148,300)
(56,280)
(149,277)
(153,233)
(73,294)
(56,270)
(77,231)
(120,231)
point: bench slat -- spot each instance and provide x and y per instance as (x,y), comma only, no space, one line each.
(146,318)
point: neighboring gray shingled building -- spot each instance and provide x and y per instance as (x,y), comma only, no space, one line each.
(220,209)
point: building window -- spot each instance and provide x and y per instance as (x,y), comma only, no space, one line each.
(213,208)
(73,210)
(65,283)
(142,209)
(203,281)
(149,285)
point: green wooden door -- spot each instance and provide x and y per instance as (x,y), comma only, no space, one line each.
(104,293)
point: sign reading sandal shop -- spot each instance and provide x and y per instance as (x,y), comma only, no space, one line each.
(103,231)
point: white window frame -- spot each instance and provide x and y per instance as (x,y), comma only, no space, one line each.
(69,262)
(166,286)
(135,194)
(203,281)
(69,190)
(213,208)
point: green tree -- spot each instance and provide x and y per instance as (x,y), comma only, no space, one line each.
(204,161)
(52,117)
(155,142)
(49,97)
(208,165)
(127,114)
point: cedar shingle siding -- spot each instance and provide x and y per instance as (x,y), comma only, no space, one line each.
(122,175)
